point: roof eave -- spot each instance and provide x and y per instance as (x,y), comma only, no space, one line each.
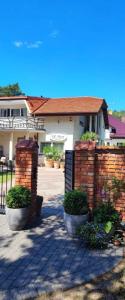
(66,114)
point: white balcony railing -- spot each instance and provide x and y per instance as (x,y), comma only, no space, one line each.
(22,123)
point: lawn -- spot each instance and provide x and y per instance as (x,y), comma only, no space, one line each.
(8,177)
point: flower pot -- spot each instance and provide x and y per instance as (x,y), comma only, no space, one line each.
(62,165)
(56,164)
(72,222)
(49,163)
(117,243)
(17,217)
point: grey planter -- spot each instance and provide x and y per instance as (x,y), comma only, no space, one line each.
(72,222)
(17,217)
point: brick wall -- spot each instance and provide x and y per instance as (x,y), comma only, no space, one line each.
(94,166)
(26,169)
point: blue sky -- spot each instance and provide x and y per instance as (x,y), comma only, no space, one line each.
(65,48)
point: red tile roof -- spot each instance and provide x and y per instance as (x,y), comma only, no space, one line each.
(64,106)
(118,125)
(13,97)
(72,105)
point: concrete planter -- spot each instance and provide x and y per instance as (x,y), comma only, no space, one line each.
(62,165)
(56,164)
(17,217)
(49,163)
(39,202)
(72,222)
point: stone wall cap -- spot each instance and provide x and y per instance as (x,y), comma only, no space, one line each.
(27,144)
(86,145)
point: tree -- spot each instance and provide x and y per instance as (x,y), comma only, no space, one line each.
(11,90)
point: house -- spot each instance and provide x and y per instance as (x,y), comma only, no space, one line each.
(115,135)
(51,121)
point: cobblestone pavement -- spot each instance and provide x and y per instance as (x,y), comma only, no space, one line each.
(44,258)
(50,182)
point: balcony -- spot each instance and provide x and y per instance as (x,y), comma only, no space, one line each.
(21,123)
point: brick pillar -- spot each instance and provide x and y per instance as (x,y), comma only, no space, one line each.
(26,169)
(85,169)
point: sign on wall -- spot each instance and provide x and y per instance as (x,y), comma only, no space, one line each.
(57,138)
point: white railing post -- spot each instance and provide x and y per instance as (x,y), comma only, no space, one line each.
(11,146)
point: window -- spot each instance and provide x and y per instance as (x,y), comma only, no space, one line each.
(4,112)
(15,112)
(113,130)
(44,144)
(87,123)
(59,146)
(23,112)
(93,123)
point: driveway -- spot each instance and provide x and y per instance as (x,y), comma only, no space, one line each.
(50,182)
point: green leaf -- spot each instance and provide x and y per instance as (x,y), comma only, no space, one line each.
(108,227)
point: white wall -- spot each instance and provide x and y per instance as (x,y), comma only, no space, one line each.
(58,129)
(12,104)
(5,139)
(114,142)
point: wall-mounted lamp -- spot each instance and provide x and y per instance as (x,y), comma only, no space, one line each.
(70,119)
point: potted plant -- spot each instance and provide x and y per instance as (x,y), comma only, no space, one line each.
(62,161)
(105,212)
(62,164)
(18,201)
(56,157)
(48,152)
(75,210)
(56,162)
(89,136)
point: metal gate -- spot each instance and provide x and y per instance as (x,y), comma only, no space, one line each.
(6,182)
(69,170)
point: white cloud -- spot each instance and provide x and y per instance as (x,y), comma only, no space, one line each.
(54,33)
(18,44)
(26,44)
(36,44)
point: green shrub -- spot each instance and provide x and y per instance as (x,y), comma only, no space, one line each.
(94,235)
(89,136)
(57,155)
(51,152)
(106,212)
(18,197)
(48,152)
(75,203)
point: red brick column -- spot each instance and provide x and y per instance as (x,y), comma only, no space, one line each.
(26,169)
(84,172)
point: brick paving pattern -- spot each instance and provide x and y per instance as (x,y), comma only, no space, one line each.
(44,258)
